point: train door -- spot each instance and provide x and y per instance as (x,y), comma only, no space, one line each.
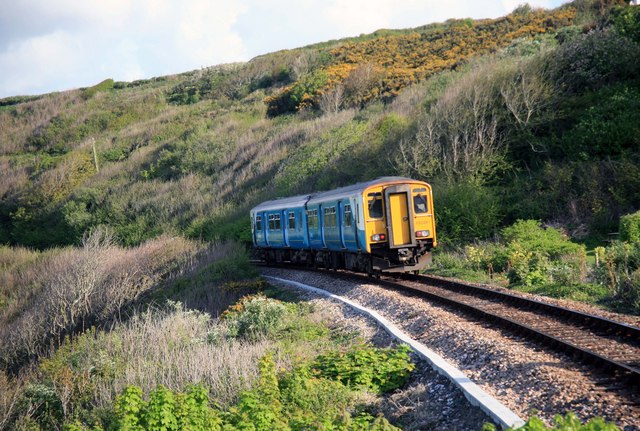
(285,228)
(268,221)
(340,224)
(321,222)
(400,222)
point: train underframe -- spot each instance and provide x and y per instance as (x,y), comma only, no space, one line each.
(381,260)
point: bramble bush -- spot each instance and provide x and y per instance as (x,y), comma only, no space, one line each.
(626,21)
(165,411)
(528,255)
(466,212)
(377,370)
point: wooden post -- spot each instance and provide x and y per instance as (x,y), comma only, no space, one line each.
(95,154)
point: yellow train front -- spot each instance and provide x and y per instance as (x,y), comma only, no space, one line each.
(384,225)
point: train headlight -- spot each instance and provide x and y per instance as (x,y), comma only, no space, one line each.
(378,237)
(422,233)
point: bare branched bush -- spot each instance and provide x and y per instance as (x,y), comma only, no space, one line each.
(14,178)
(331,100)
(77,288)
(458,137)
(359,83)
(11,389)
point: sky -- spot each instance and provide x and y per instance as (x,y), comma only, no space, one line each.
(56,45)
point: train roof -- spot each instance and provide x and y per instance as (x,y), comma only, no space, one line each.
(339,193)
(344,192)
(290,202)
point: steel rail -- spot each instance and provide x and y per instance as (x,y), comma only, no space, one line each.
(606,328)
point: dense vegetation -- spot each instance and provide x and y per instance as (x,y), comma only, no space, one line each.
(528,127)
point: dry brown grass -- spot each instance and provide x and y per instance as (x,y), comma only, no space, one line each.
(175,348)
(73,288)
(14,179)
(18,123)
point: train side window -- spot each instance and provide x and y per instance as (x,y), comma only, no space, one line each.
(276,221)
(375,205)
(292,221)
(271,222)
(330,219)
(347,216)
(259,223)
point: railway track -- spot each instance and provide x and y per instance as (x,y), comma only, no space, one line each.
(607,346)
(611,347)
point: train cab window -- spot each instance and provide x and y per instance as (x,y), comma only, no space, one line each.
(348,217)
(375,205)
(292,221)
(312,219)
(330,219)
(420,201)
(259,223)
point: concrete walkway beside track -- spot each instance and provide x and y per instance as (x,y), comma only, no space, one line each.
(476,396)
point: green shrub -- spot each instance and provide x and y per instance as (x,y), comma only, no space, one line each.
(88,93)
(626,21)
(569,422)
(297,96)
(166,410)
(595,59)
(466,212)
(534,237)
(630,227)
(621,272)
(610,126)
(233,267)
(379,370)
(535,255)
(41,404)
(255,317)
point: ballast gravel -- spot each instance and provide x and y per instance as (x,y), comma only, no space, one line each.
(525,377)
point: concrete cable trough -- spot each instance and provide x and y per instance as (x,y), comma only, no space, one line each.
(497,411)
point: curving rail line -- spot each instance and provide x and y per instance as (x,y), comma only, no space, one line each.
(611,346)
(605,345)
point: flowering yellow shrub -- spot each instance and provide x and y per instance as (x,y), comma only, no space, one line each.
(399,60)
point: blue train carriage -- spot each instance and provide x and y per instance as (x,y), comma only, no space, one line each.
(382,225)
(279,226)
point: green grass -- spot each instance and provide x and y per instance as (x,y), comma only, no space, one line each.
(590,293)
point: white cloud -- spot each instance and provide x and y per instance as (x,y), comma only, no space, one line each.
(56,45)
(35,62)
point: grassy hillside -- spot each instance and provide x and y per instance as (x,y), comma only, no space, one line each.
(183,154)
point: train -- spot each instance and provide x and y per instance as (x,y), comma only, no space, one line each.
(379,226)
